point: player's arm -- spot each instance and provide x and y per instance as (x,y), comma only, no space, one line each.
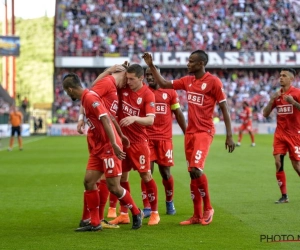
(125,140)
(291,100)
(80,123)
(109,71)
(229,141)
(179,116)
(110,133)
(268,109)
(157,76)
(145,121)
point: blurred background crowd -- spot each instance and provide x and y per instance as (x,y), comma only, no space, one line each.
(97,27)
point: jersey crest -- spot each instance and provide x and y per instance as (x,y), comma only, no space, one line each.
(164,96)
(95,104)
(203,86)
(139,100)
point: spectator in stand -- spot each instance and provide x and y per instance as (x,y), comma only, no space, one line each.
(97,27)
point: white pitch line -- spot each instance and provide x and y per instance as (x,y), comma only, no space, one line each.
(25,142)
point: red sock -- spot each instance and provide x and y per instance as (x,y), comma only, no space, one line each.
(196,197)
(152,194)
(85,213)
(103,194)
(125,185)
(92,200)
(146,202)
(280,176)
(203,185)
(169,188)
(127,201)
(113,200)
(252,137)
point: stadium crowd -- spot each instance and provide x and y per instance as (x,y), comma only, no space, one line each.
(253,85)
(96,27)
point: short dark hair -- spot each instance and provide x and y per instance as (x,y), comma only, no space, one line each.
(202,55)
(136,69)
(71,80)
(289,70)
(246,103)
(155,67)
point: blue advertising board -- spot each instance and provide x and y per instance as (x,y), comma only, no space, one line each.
(9,46)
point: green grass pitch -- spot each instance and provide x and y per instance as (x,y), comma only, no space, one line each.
(41,200)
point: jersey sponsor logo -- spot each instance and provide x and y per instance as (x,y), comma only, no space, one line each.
(114,106)
(164,96)
(129,110)
(139,100)
(95,104)
(203,86)
(285,109)
(195,98)
(161,108)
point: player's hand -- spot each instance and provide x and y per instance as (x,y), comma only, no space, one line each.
(289,99)
(80,126)
(126,64)
(195,173)
(118,152)
(147,58)
(229,144)
(125,141)
(275,95)
(127,121)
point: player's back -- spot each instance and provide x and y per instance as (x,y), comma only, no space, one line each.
(94,108)
(107,90)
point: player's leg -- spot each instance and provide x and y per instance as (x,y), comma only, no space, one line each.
(151,190)
(125,199)
(146,203)
(296,166)
(91,196)
(20,142)
(11,140)
(153,157)
(123,218)
(112,209)
(168,183)
(197,147)
(279,151)
(165,162)
(240,136)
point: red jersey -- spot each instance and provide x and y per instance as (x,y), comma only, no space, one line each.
(246,116)
(162,126)
(202,96)
(94,108)
(288,117)
(140,103)
(106,88)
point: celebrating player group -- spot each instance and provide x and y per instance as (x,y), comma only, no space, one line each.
(130,128)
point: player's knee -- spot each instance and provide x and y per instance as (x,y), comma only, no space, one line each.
(115,189)
(146,177)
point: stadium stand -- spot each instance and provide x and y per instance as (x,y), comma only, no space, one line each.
(94,28)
